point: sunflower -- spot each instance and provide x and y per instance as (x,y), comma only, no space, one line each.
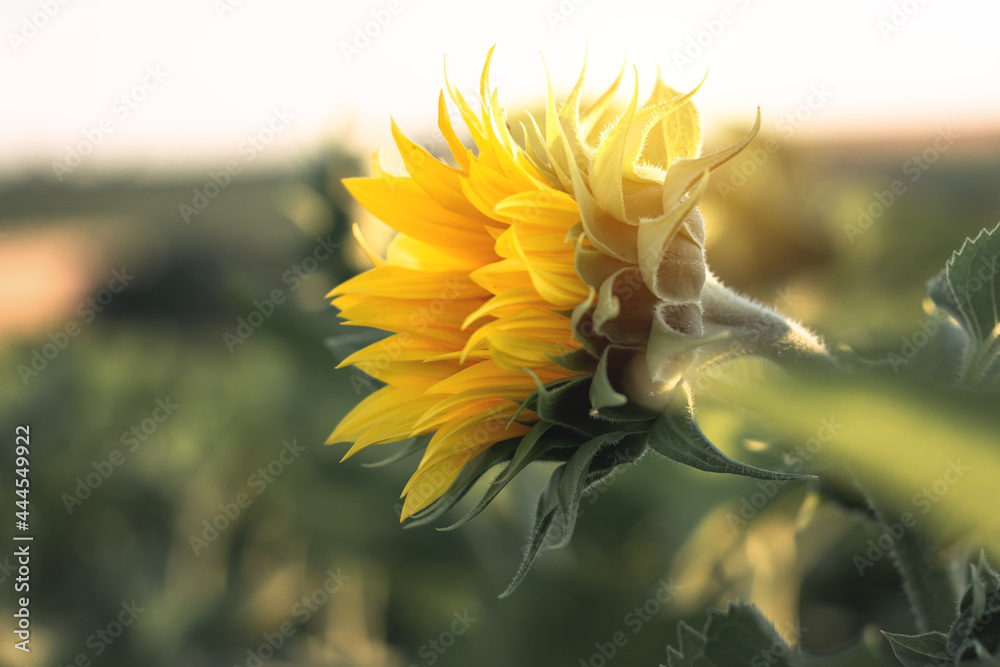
(543,299)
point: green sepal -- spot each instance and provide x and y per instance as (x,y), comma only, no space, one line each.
(574,482)
(578,361)
(567,403)
(548,505)
(412,446)
(542,437)
(581,321)
(677,436)
(602,393)
(630,449)
(559,504)
(467,477)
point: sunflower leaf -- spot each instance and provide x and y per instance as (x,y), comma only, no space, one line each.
(969,291)
(940,293)
(676,435)
(691,646)
(739,636)
(976,629)
(919,650)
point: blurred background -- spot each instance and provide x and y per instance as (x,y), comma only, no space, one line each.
(171,217)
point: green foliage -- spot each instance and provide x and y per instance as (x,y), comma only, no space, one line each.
(741,636)
(919,650)
(589,447)
(736,637)
(974,636)
(969,290)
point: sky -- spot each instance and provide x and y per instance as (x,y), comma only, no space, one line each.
(106,84)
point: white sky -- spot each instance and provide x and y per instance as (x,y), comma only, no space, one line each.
(227,71)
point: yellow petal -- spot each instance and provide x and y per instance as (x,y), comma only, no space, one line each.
(678,135)
(607,166)
(438,180)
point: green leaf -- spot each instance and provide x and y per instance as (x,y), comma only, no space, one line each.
(742,637)
(737,637)
(676,435)
(976,631)
(972,278)
(691,645)
(914,650)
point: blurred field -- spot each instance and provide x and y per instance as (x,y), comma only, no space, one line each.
(399,597)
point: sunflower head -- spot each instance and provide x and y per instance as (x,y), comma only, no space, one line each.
(543,299)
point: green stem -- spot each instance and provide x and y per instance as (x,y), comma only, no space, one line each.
(758,330)
(928,584)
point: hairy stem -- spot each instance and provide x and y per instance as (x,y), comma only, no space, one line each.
(755,329)
(929,586)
